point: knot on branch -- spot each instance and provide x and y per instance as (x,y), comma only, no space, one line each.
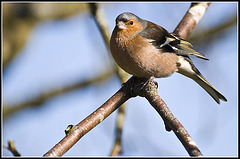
(70,129)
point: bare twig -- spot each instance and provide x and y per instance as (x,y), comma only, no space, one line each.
(11,147)
(90,122)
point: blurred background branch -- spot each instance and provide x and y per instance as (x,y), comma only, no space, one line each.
(20,18)
(207,36)
(42,98)
(11,147)
(102,24)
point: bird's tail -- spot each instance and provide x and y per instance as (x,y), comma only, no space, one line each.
(213,92)
(187,68)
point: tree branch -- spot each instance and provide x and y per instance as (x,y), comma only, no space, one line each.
(191,18)
(90,122)
(171,123)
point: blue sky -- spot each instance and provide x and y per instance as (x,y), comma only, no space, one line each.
(61,52)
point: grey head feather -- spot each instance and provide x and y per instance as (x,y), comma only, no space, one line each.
(126,16)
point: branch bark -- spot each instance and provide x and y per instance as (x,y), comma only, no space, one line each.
(191,18)
(171,123)
(90,122)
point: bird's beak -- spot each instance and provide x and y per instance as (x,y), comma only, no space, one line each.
(121,25)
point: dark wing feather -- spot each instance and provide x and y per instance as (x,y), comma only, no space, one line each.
(168,42)
(155,33)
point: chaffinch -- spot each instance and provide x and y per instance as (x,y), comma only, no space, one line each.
(145,49)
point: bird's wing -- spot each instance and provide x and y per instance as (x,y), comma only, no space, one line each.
(168,42)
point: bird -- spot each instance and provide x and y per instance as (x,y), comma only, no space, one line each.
(147,50)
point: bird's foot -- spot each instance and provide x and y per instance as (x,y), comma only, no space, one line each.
(139,85)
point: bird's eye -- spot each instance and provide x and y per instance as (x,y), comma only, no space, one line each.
(131,22)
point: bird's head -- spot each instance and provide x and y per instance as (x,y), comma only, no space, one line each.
(129,22)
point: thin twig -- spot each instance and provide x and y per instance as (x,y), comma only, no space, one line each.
(11,147)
